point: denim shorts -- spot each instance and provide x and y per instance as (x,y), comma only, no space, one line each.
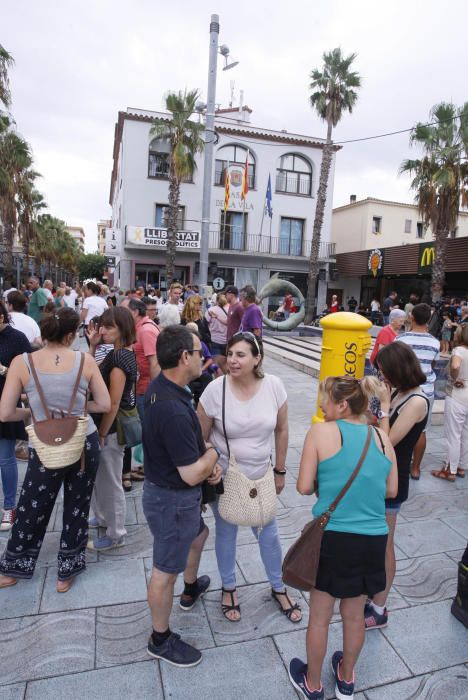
(174,518)
(218,348)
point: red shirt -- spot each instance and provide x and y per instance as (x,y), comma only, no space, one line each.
(146,338)
(386,336)
(334,307)
(235,313)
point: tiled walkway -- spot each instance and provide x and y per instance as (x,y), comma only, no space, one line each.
(90,643)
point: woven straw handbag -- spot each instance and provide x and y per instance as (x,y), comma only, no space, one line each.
(58,441)
(249,502)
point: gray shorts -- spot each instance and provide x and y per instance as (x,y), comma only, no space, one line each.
(174,518)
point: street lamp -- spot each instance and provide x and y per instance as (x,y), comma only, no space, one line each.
(209,143)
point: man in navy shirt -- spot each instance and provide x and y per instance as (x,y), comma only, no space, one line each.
(177,461)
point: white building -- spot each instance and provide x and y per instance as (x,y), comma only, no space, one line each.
(77,232)
(103,224)
(246,245)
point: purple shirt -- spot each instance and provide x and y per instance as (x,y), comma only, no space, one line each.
(252,318)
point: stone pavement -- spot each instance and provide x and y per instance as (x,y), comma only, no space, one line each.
(91,642)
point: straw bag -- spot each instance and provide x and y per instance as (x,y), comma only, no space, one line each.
(58,442)
(300,565)
(250,502)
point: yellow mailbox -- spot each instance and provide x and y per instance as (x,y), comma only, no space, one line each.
(345,342)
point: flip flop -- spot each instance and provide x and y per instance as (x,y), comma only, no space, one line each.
(11,582)
(64,586)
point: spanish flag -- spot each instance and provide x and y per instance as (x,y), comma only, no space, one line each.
(245,179)
(227,190)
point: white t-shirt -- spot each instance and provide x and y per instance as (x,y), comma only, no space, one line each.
(375,305)
(48,293)
(460,395)
(95,306)
(250,424)
(25,324)
(69,299)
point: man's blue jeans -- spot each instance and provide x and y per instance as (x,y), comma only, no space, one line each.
(270,551)
(9,471)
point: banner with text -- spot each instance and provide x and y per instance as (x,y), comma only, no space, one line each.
(157,238)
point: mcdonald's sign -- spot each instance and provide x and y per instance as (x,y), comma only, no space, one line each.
(426,257)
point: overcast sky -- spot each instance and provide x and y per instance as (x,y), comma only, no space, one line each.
(78,64)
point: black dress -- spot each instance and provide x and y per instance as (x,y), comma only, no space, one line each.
(12,343)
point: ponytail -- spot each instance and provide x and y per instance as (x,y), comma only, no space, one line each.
(356,392)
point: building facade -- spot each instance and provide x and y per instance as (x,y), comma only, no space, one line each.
(103,224)
(383,246)
(77,232)
(246,246)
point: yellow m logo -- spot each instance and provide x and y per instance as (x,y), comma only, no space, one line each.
(428,257)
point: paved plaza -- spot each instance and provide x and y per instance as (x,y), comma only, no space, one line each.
(91,642)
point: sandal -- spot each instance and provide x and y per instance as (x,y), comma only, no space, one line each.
(127,484)
(137,475)
(229,608)
(444,474)
(292,606)
(7,581)
(461,473)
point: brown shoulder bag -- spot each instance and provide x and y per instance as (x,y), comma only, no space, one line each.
(301,562)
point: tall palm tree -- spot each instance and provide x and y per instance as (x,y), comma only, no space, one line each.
(334,91)
(440,178)
(6,61)
(15,162)
(30,203)
(185,141)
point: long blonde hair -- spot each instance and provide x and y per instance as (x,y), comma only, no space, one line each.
(191,312)
(356,392)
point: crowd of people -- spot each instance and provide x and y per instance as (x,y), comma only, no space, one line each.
(187,382)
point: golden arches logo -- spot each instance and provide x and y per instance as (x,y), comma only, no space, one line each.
(428,257)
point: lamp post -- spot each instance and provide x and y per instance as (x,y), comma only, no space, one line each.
(209,145)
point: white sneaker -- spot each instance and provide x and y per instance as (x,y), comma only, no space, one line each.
(8,518)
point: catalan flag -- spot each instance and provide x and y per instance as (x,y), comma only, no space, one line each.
(227,190)
(245,179)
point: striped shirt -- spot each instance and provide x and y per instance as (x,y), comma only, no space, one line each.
(426,348)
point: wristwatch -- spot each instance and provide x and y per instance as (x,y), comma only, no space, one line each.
(382,414)
(280,472)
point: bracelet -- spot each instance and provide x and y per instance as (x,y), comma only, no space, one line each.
(280,472)
(215,449)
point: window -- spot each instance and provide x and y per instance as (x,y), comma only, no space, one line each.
(160,220)
(290,240)
(420,229)
(376,224)
(233,155)
(294,175)
(407,225)
(158,158)
(453,234)
(233,230)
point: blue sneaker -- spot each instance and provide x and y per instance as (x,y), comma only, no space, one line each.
(343,690)
(373,619)
(101,544)
(297,676)
(188,601)
(93,523)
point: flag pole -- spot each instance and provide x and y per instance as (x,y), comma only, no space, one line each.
(261,230)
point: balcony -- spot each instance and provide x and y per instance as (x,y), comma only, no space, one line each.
(238,242)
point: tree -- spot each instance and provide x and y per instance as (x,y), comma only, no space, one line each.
(6,61)
(91,266)
(440,178)
(185,141)
(333,92)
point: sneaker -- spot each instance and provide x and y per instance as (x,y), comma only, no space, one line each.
(8,518)
(297,676)
(343,690)
(101,544)
(93,523)
(373,619)
(174,651)
(188,601)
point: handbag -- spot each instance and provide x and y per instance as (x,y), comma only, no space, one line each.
(250,502)
(300,565)
(58,442)
(128,427)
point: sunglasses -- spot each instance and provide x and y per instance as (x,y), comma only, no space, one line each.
(199,350)
(247,335)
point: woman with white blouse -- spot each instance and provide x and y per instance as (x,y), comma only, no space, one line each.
(256,411)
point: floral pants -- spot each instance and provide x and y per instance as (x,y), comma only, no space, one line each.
(38,495)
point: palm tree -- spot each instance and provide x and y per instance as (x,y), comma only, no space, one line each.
(185,141)
(30,204)
(333,92)
(15,162)
(6,61)
(440,178)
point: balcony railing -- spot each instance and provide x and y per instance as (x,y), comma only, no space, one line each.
(238,242)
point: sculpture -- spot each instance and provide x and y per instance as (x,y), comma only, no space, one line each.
(273,287)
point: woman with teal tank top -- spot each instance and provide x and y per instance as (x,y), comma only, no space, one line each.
(352,555)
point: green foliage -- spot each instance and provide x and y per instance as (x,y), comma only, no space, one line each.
(91,266)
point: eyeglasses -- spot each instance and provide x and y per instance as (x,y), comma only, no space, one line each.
(199,350)
(247,335)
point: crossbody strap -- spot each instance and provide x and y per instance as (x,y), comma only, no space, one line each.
(346,487)
(224,416)
(77,383)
